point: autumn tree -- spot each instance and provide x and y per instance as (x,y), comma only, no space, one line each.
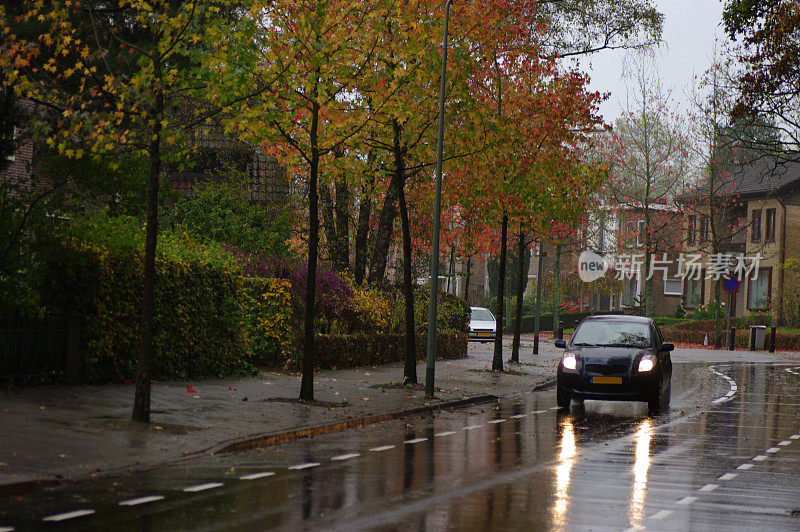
(116,76)
(768,48)
(649,161)
(304,64)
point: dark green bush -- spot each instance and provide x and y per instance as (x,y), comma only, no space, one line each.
(198,314)
(452,313)
(356,350)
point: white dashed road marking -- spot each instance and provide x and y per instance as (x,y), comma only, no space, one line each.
(345,457)
(6,529)
(687,500)
(773,450)
(142,500)
(67,515)
(518,416)
(446,433)
(304,466)
(794,437)
(496,421)
(709,487)
(381,448)
(760,458)
(728,476)
(203,487)
(472,427)
(745,467)
(662,514)
(538,411)
(255,476)
(416,440)
(785,442)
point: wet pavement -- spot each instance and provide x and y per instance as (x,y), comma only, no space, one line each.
(726,456)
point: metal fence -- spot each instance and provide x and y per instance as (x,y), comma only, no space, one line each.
(39,347)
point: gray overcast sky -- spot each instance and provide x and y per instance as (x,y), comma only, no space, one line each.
(689,30)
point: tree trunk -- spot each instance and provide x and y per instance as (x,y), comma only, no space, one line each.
(497,360)
(467,277)
(328,220)
(520,293)
(556,289)
(410,367)
(307,380)
(141,401)
(538,315)
(341,248)
(362,236)
(648,283)
(451,283)
(383,236)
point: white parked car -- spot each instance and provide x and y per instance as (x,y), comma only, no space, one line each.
(482,325)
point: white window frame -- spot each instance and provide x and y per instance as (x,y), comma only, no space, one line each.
(639,229)
(679,292)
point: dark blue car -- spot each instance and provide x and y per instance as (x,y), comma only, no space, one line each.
(619,358)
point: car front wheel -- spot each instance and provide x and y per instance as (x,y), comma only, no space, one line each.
(562,397)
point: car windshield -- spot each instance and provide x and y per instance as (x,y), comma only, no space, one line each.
(612,333)
(481,314)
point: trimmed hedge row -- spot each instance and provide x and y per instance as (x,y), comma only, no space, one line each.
(783,341)
(349,351)
(198,314)
(570,319)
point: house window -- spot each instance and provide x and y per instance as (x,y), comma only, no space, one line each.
(755,226)
(690,236)
(704,228)
(672,287)
(769,226)
(630,292)
(640,233)
(758,290)
(693,292)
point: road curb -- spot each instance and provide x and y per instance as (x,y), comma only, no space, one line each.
(264,440)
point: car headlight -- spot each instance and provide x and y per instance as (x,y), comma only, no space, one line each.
(569,361)
(647,363)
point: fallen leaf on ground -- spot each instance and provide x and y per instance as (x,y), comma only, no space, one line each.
(366,399)
(190,389)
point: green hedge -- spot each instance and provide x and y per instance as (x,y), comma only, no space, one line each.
(267,307)
(783,341)
(198,313)
(570,319)
(356,350)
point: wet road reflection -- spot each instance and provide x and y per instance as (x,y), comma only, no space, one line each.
(515,465)
(566,459)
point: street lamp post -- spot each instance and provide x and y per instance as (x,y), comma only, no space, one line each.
(430,369)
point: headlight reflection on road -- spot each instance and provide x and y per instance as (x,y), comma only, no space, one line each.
(563,471)
(641,465)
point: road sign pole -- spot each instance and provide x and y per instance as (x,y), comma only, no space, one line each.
(728,325)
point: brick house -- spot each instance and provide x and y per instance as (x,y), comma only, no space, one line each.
(760,216)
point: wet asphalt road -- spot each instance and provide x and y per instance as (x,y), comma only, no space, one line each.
(726,456)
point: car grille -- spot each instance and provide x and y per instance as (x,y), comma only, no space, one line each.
(607,369)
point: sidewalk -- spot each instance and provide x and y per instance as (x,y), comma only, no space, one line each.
(62,433)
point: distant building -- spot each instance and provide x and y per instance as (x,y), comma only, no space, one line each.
(760,215)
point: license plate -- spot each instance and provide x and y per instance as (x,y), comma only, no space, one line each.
(484,334)
(606,380)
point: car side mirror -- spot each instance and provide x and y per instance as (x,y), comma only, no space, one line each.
(561,343)
(666,346)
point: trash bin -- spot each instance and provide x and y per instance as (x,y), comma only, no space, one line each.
(758,334)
